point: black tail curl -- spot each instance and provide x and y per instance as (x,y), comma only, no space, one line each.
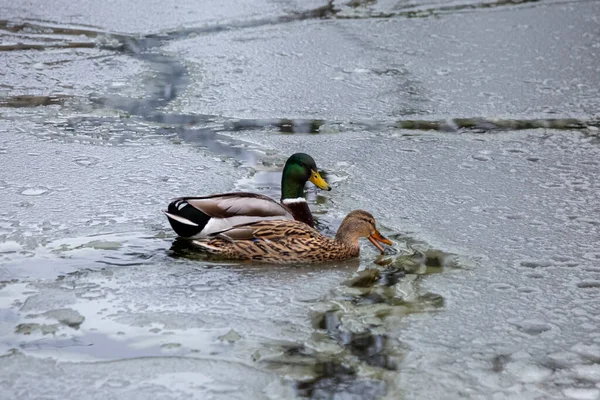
(182,209)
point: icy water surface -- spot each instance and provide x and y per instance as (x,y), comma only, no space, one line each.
(469,129)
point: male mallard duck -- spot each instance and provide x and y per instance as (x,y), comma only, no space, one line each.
(285,241)
(200,216)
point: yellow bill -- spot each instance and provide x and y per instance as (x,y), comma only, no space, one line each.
(319,182)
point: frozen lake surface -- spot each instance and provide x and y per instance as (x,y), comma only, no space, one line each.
(469,129)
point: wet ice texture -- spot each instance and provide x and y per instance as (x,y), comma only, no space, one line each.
(58,188)
(147,315)
(82,189)
(171,378)
(526,206)
(67,72)
(497,64)
(149,16)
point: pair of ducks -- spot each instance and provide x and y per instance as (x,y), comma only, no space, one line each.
(248,226)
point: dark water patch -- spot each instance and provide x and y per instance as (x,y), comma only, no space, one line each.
(184,248)
(364,279)
(536,264)
(304,126)
(32,46)
(426,302)
(367,345)
(391,276)
(589,284)
(369,277)
(456,125)
(53,36)
(427,12)
(35,28)
(499,362)
(32,101)
(362,304)
(483,125)
(354,316)
(5,283)
(368,299)
(418,261)
(360,3)
(283,125)
(334,380)
(316,375)
(183,119)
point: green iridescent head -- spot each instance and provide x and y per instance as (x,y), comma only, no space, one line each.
(299,169)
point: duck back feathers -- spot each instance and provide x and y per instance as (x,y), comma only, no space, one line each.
(201,216)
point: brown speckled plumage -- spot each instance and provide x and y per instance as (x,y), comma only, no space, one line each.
(285,241)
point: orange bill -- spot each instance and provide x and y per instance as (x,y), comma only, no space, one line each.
(319,182)
(376,237)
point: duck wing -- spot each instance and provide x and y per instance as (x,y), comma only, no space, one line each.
(236,204)
(202,216)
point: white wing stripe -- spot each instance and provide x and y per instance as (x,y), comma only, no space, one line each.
(181,219)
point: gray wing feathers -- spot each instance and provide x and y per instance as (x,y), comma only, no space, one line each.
(232,206)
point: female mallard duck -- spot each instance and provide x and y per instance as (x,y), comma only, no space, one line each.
(285,241)
(194,217)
